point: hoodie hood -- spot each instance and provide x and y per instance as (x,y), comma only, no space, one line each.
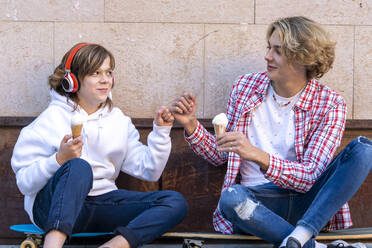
(61,101)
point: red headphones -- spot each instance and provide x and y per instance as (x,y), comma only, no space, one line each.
(70,82)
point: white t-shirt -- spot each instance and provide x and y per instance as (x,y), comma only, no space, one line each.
(272,130)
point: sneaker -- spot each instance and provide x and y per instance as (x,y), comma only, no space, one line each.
(343,244)
(293,243)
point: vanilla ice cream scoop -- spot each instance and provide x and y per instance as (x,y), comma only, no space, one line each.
(219,122)
(77,121)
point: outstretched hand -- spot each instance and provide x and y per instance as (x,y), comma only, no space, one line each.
(183,109)
(163,117)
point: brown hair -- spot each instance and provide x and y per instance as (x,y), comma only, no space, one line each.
(305,42)
(87,60)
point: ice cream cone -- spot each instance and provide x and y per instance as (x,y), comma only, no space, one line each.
(76,130)
(77,125)
(220,122)
(219,129)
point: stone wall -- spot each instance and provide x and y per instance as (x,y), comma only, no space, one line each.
(166,47)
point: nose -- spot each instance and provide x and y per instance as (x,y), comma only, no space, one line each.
(105,78)
(269,55)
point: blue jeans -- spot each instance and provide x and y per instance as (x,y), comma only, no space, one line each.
(271,212)
(140,217)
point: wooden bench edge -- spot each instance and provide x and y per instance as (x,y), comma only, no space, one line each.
(322,236)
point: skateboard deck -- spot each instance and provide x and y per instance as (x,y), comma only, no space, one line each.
(346,234)
(196,240)
(34,235)
(32,229)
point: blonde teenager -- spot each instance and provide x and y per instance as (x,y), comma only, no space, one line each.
(283,183)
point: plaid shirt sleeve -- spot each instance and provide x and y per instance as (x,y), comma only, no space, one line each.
(318,150)
(204,144)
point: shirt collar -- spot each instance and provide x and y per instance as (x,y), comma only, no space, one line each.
(263,87)
(305,99)
(307,96)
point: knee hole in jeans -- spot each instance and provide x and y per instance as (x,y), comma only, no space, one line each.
(365,140)
(235,201)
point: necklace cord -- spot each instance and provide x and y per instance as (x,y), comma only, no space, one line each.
(281,105)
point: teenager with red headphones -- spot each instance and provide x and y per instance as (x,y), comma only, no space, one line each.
(69,183)
(70,82)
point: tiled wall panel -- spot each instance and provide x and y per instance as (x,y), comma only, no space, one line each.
(186,11)
(341,76)
(154,62)
(350,12)
(26,61)
(363,73)
(231,50)
(52,10)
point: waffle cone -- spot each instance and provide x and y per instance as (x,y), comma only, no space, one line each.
(219,129)
(76,130)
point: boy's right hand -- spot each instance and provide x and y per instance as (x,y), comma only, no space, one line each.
(69,149)
(183,109)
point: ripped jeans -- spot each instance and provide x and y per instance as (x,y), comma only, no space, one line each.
(271,212)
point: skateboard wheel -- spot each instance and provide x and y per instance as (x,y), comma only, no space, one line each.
(29,243)
(190,243)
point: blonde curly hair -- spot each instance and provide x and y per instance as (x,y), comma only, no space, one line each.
(305,42)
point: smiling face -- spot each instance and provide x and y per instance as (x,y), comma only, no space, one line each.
(278,68)
(95,88)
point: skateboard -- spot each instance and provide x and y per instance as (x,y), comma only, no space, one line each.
(194,240)
(34,235)
(347,234)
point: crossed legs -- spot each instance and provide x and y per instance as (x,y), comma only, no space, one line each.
(272,213)
(63,207)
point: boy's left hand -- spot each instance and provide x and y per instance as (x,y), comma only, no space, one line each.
(164,117)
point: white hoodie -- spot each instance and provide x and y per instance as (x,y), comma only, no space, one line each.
(111,144)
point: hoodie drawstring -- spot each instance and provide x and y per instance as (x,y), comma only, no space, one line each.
(85,141)
(100,126)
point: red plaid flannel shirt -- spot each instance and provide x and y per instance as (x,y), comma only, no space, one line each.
(320,116)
